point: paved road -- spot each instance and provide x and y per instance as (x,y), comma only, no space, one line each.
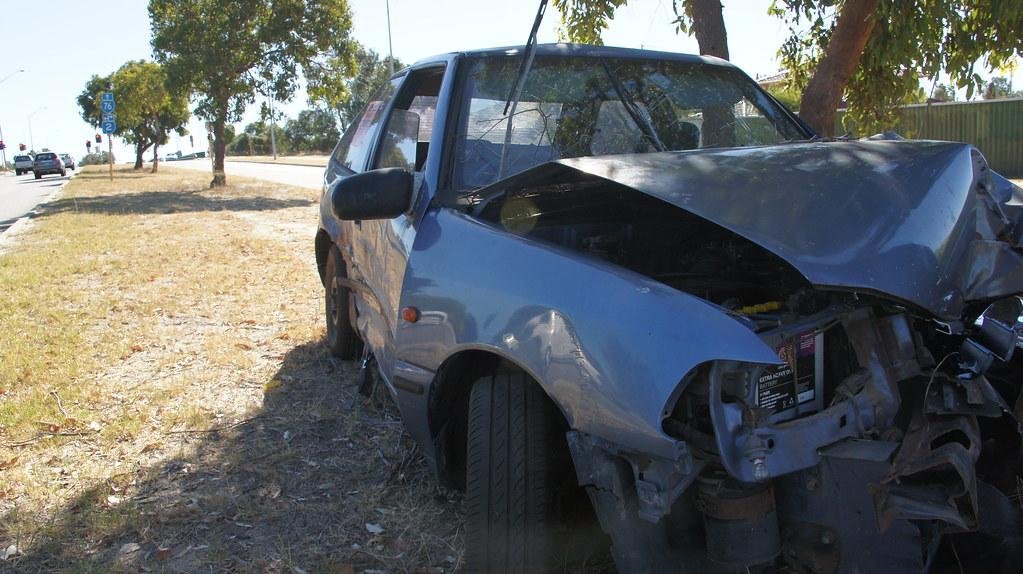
(20,194)
(298,175)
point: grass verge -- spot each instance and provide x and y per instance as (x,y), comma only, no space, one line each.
(166,403)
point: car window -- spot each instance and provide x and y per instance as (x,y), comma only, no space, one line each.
(45,156)
(572,107)
(406,138)
(353,150)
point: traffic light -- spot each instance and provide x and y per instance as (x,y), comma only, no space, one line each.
(21,147)
(3,145)
(88,144)
(99,138)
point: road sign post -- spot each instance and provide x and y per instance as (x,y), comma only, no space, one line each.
(109,125)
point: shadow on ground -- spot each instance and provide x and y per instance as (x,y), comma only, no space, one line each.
(157,202)
(319,479)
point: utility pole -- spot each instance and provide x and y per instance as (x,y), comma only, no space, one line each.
(390,50)
(31,142)
(273,124)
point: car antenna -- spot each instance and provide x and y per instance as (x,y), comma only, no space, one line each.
(513,97)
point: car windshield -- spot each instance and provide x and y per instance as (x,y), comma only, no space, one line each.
(584,106)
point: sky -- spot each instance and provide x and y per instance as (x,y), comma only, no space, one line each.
(58,56)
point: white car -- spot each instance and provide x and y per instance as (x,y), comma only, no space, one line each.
(22,164)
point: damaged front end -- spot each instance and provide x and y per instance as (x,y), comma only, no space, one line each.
(887,435)
(861,452)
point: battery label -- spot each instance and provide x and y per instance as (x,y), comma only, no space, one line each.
(781,388)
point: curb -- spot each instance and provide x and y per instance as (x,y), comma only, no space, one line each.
(274,163)
(9,235)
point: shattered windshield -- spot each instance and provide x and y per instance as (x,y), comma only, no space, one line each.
(583,106)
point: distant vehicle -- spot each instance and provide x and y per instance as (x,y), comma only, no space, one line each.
(69,161)
(176,156)
(22,164)
(47,163)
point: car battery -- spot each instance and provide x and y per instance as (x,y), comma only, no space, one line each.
(794,388)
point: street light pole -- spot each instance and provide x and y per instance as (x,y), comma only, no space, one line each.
(31,142)
(3,152)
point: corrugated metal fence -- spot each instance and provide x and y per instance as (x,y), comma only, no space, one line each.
(995,127)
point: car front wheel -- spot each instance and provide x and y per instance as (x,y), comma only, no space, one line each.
(342,338)
(516,464)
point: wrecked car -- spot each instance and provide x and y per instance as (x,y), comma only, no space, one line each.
(631,285)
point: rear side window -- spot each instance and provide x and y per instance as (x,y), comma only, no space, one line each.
(354,148)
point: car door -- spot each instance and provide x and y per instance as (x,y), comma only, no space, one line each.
(405,142)
(352,155)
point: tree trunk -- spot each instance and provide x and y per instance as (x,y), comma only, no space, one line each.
(140,149)
(709,28)
(823,93)
(219,147)
(156,158)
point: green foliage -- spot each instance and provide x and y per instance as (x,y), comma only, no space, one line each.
(348,95)
(787,94)
(912,39)
(148,107)
(229,51)
(583,21)
(101,158)
(314,130)
(1000,87)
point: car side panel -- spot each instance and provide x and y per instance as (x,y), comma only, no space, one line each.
(608,345)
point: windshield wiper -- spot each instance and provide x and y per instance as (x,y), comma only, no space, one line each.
(630,106)
(520,81)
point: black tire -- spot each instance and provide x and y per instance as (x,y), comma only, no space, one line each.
(63,174)
(38,176)
(516,456)
(342,339)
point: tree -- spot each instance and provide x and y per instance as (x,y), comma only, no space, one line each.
(583,21)
(313,130)
(999,87)
(147,107)
(876,51)
(227,51)
(348,94)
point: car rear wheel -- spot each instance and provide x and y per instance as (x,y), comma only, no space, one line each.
(38,175)
(342,338)
(517,463)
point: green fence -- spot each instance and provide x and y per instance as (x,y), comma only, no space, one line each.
(995,127)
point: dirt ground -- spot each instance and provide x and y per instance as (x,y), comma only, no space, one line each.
(167,404)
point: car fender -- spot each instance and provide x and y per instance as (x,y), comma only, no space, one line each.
(608,345)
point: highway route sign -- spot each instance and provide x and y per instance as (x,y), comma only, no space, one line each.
(106,102)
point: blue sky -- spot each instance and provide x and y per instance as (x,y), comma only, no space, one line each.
(84,38)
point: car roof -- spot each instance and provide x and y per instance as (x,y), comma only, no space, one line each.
(579,50)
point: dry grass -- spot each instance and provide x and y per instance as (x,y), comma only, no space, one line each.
(316,160)
(166,403)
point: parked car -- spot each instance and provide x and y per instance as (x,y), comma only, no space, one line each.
(47,163)
(643,289)
(69,161)
(22,164)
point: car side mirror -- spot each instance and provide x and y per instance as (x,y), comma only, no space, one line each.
(376,194)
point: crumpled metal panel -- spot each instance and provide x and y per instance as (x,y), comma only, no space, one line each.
(610,346)
(895,217)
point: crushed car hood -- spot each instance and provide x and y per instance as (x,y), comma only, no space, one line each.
(918,221)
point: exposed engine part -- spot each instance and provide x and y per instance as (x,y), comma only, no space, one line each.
(646,235)
(933,477)
(740,520)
